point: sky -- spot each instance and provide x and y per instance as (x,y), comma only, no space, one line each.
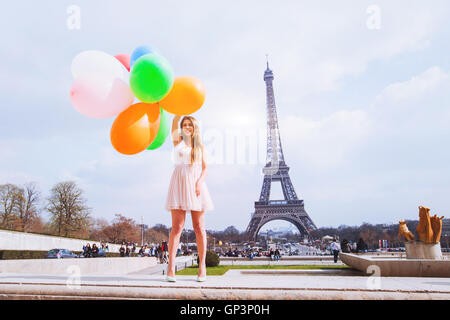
(362,91)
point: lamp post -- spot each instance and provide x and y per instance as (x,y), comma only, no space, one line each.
(142,231)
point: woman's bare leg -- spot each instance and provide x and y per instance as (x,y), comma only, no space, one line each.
(198,222)
(178,218)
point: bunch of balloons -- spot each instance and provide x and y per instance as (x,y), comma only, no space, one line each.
(106,86)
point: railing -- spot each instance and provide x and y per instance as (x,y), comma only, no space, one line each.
(278,202)
(275,202)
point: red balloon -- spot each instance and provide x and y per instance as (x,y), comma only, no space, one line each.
(124,59)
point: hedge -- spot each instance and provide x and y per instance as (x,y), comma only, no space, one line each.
(212,259)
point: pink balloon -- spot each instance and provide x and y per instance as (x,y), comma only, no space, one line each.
(124,59)
(97,96)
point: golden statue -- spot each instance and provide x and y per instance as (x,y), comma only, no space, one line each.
(429,228)
(436,225)
(404,231)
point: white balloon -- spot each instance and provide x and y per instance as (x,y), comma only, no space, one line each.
(94,61)
(95,96)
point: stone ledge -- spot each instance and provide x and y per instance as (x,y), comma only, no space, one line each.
(93,292)
(120,265)
(391,267)
(319,272)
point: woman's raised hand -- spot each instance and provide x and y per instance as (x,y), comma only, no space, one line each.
(175,131)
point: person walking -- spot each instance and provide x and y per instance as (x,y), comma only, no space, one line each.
(277,255)
(271,254)
(188,191)
(158,253)
(164,250)
(122,251)
(179,250)
(335,248)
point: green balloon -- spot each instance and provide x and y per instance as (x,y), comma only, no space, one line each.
(163,131)
(151,78)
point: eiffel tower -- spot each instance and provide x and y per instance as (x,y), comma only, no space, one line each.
(290,209)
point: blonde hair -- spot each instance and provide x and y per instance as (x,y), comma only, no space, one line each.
(196,143)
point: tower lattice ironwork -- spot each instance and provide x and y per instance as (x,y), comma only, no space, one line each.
(290,208)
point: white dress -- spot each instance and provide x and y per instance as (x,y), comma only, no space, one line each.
(181,195)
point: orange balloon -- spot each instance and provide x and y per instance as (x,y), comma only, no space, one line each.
(135,128)
(186,96)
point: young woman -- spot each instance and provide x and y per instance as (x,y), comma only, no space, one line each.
(188,191)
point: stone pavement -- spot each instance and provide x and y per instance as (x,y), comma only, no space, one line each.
(235,284)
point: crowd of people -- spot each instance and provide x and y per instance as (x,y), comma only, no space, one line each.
(354,247)
(127,248)
(273,255)
(159,250)
(94,251)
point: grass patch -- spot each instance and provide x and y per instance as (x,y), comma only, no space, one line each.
(222,269)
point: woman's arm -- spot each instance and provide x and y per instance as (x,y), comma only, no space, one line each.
(176,136)
(202,175)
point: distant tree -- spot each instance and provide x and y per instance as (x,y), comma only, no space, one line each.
(156,235)
(161,228)
(37,225)
(97,229)
(27,207)
(10,198)
(371,234)
(122,229)
(188,236)
(68,209)
(231,234)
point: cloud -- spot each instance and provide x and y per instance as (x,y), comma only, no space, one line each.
(383,160)
(414,88)
(325,142)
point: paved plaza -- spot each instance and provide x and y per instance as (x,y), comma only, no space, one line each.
(234,285)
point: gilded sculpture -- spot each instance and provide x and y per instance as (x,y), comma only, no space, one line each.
(428,230)
(404,231)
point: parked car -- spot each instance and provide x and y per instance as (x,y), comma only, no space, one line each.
(60,254)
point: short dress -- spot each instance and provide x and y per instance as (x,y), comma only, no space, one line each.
(181,195)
